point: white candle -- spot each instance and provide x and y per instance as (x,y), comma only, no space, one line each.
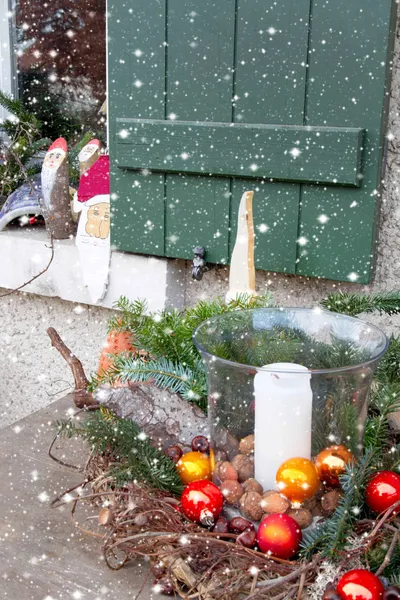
(283,416)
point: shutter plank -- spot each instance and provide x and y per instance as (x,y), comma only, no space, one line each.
(271,58)
(136,72)
(271,41)
(328,155)
(351,45)
(199,89)
(197,214)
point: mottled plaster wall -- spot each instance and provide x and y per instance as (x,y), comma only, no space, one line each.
(32,374)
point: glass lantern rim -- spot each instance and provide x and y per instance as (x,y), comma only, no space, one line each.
(307,372)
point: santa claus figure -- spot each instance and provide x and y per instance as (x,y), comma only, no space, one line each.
(55,200)
(93,237)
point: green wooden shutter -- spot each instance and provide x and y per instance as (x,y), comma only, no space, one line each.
(208,99)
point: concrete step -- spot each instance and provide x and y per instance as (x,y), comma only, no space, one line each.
(43,556)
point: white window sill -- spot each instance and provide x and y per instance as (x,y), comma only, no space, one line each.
(25,252)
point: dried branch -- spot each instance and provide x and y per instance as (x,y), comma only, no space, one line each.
(81,396)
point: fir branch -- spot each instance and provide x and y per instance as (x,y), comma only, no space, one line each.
(190,383)
(389,367)
(356,304)
(330,538)
(134,456)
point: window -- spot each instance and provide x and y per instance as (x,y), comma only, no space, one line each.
(60,48)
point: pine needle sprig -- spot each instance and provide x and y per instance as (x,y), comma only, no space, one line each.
(356,304)
(167,337)
(134,456)
(330,538)
(190,383)
(389,367)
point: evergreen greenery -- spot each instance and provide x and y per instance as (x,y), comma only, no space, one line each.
(331,537)
(356,304)
(133,456)
(25,141)
(172,360)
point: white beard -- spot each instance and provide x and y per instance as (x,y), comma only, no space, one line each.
(49,177)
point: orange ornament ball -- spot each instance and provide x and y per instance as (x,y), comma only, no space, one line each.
(297,479)
(331,463)
(194,466)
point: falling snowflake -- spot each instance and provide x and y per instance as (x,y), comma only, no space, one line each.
(352,276)
(295,152)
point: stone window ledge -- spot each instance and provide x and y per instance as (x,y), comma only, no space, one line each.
(25,252)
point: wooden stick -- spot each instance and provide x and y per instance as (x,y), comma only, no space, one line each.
(81,396)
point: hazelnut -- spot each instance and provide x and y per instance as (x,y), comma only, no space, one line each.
(302,516)
(247,539)
(252,485)
(243,466)
(232,491)
(246,445)
(106,516)
(274,503)
(238,525)
(227,471)
(250,505)
(221,525)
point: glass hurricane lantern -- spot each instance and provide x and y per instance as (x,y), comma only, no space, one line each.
(298,379)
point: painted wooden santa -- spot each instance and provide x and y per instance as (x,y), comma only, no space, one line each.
(93,237)
(55,201)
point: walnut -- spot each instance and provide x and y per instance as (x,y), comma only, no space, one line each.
(302,516)
(250,505)
(330,502)
(243,466)
(227,471)
(252,485)
(246,445)
(274,503)
(232,491)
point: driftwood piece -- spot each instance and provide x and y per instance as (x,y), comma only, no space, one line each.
(166,417)
(55,200)
(81,396)
(242,275)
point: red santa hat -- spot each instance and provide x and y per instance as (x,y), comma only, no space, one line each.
(94,142)
(96,180)
(59,144)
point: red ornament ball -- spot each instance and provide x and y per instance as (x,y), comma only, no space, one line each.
(382,491)
(360,584)
(279,535)
(202,502)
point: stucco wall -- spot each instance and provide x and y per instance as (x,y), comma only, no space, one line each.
(32,374)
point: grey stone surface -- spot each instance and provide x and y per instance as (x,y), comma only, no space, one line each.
(164,416)
(43,556)
(31,372)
